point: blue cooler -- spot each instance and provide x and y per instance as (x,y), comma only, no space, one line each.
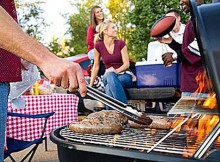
(151,74)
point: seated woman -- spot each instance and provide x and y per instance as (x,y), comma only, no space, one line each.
(116,60)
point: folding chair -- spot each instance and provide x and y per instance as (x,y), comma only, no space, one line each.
(14,145)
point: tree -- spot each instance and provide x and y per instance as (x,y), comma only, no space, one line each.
(30,18)
(118,10)
(60,47)
(142,17)
(78,25)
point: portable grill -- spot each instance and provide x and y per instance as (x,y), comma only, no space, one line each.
(134,145)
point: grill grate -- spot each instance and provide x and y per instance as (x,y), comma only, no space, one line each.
(141,140)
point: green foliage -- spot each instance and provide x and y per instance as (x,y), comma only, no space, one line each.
(78,28)
(30,18)
(208,1)
(78,25)
(119,10)
(142,17)
(134,19)
(60,47)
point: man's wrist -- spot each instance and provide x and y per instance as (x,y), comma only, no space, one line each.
(174,57)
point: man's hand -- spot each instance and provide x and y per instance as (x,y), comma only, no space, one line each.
(167,58)
(65,74)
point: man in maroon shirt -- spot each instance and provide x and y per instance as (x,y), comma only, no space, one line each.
(13,71)
(10,66)
(188,54)
(12,38)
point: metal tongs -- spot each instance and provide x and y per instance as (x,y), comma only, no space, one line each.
(127,110)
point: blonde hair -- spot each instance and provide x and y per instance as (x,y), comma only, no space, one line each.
(100,30)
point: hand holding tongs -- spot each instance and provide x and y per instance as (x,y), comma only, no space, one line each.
(119,106)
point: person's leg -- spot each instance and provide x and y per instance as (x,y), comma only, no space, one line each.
(113,86)
(4,92)
(108,92)
(126,80)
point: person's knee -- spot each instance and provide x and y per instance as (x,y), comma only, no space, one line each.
(109,75)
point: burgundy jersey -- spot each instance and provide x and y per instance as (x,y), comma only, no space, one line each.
(10,65)
(193,66)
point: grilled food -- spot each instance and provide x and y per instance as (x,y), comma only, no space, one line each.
(102,122)
(158,122)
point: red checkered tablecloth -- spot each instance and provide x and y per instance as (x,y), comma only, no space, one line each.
(64,106)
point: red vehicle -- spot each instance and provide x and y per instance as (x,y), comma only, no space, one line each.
(83,61)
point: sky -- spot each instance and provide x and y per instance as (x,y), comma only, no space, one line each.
(53,11)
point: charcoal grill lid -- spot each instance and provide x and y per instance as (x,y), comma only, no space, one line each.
(207,24)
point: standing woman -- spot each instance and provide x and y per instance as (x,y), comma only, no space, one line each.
(96,17)
(116,60)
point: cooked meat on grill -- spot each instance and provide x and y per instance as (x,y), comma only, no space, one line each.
(102,122)
(158,122)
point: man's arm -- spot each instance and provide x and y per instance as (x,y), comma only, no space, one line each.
(63,73)
(175,46)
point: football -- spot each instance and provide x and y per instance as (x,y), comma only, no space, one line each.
(163,26)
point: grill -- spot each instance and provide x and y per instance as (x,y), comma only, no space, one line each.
(138,145)
(132,145)
(142,140)
(178,145)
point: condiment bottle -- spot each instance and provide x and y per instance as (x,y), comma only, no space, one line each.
(35,88)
